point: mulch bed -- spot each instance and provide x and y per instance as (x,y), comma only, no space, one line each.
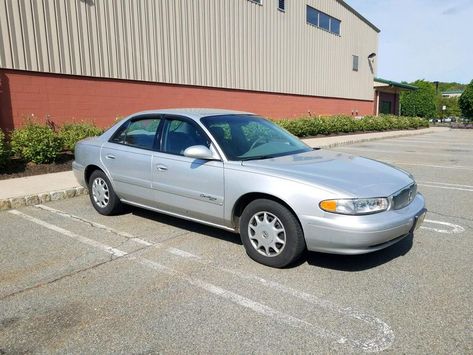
(462,125)
(17,168)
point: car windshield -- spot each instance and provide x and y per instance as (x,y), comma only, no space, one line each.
(248,137)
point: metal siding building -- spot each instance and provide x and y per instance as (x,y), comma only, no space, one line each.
(211,46)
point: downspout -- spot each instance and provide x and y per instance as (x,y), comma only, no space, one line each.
(377,103)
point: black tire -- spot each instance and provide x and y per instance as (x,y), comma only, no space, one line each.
(113,205)
(293,234)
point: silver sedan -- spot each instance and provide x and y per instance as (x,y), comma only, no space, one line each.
(242,173)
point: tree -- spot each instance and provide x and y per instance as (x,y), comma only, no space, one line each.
(420,102)
(466,101)
(450,86)
(451,105)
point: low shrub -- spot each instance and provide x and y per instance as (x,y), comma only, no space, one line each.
(36,143)
(71,133)
(4,151)
(310,126)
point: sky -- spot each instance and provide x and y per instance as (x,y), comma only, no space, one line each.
(422,39)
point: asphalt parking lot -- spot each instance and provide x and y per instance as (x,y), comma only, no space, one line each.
(72,281)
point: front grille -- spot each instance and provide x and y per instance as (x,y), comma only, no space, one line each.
(404,197)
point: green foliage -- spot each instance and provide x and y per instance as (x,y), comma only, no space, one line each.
(450,86)
(466,101)
(71,133)
(4,152)
(307,127)
(254,131)
(451,104)
(36,143)
(420,102)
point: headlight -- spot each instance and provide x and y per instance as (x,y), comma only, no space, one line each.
(355,206)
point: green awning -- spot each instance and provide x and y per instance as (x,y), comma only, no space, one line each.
(396,84)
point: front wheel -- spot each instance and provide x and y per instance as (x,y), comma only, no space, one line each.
(102,196)
(271,233)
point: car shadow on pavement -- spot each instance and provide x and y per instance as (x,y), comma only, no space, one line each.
(186,225)
(353,263)
(349,263)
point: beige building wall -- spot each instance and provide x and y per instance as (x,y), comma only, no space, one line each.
(234,44)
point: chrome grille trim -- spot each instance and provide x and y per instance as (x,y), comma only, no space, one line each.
(404,197)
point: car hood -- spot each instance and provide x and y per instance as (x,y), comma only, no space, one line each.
(346,174)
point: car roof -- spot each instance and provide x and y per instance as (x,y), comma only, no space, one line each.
(195,113)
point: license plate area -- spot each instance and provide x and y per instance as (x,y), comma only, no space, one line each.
(419,219)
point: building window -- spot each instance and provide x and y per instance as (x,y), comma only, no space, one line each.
(322,20)
(259,2)
(282,5)
(335,26)
(312,16)
(355,63)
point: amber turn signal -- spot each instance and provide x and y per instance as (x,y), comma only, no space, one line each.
(329,205)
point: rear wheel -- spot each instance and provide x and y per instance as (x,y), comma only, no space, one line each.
(271,233)
(102,195)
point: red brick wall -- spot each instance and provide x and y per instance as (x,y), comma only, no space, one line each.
(66,98)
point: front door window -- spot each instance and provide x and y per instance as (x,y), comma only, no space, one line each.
(181,134)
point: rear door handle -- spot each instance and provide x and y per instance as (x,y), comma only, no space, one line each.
(110,156)
(161,167)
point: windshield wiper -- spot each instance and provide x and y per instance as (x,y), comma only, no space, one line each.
(258,157)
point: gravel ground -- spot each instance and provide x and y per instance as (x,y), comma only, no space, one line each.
(72,281)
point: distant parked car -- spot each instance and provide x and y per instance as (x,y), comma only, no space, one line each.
(243,173)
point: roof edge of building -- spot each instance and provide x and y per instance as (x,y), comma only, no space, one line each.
(453,92)
(360,16)
(396,84)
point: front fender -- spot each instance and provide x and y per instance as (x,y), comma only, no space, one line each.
(302,198)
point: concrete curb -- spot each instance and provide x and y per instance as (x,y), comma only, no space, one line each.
(30,200)
(354,141)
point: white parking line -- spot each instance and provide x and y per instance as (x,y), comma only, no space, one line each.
(95,224)
(374,150)
(383,340)
(385,335)
(245,302)
(438,147)
(453,228)
(213,289)
(446,184)
(85,240)
(181,253)
(445,187)
(460,167)
(430,143)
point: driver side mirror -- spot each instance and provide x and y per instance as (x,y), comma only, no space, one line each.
(200,152)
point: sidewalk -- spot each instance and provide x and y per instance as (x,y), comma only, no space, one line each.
(32,190)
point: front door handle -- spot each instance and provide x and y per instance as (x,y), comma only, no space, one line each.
(161,167)
(110,156)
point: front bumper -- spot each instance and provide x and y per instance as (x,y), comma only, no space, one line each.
(341,234)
